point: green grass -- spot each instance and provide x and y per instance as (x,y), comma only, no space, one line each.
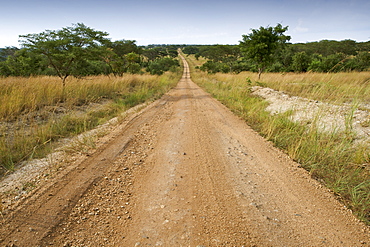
(330,157)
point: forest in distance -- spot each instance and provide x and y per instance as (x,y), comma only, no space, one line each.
(82,51)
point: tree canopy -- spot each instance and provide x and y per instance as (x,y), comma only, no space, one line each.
(261,45)
(67,48)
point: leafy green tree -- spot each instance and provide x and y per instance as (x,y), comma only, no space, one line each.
(123,47)
(211,67)
(67,48)
(331,63)
(261,45)
(300,62)
(286,59)
(160,65)
(361,62)
(154,53)
(23,63)
(133,63)
(316,63)
(121,55)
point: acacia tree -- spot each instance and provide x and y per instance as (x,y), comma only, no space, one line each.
(261,45)
(121,56)
(66,48)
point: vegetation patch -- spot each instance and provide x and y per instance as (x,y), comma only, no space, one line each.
(38,120)
(331,157)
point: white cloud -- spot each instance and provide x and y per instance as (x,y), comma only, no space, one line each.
(299,28)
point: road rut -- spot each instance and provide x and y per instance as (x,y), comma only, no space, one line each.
(184,171)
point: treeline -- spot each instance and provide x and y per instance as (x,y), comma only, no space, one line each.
(128,58)
(81,51)
(322,56)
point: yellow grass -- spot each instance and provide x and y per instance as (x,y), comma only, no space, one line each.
(329,87)
(34,112)
(23,95)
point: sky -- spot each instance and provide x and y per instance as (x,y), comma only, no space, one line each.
(188,21)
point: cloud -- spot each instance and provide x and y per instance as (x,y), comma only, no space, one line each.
(299,28)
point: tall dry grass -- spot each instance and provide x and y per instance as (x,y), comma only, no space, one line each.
(335,88)
(24,95)
(35,112)
(328,87)
(331,157)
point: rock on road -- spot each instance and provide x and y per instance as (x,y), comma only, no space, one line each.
(184,171)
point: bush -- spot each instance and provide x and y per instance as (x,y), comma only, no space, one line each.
(361,62)
(300,62)
(161,65)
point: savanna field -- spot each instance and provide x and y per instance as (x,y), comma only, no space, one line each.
(35,112)
(62,84)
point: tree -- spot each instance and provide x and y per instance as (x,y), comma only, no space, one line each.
(300,62)
(24,63)
(361,62)
(261,45)
(121,56)
(154,53)
(67,48)
(160,65)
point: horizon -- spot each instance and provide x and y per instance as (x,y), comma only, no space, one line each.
(215,44)
(202,22)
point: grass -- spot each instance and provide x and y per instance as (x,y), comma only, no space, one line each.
(33,116)
(326,87)
(330,157)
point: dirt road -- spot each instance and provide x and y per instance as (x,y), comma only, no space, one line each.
(183,172)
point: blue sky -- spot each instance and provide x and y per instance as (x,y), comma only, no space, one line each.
(188,21)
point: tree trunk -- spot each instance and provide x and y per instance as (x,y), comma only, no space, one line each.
(64,88)
(259,73)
